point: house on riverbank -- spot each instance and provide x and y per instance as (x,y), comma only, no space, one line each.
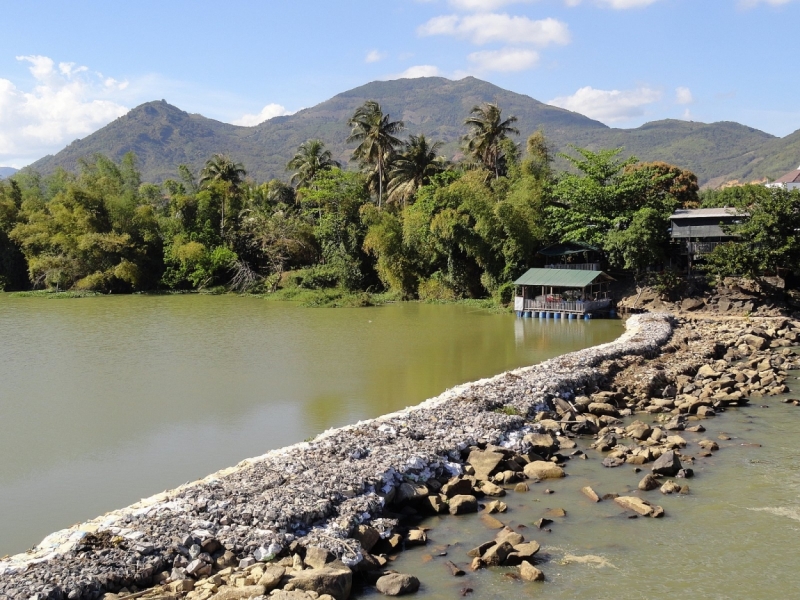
(790,181)
(562,293)
(699,230)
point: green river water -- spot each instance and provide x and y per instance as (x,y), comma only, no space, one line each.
(107,400)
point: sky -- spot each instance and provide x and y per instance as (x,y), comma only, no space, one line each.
(69,68)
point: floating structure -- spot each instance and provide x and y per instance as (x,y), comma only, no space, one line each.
(563,294)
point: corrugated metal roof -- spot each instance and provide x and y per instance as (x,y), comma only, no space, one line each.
(561,277)
(706,213)
(790,177)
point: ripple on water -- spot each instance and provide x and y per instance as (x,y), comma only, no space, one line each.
(790,512)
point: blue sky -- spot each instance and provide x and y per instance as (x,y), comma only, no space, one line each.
(68,68)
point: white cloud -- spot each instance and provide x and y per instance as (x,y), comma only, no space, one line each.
(608,106)
(494,27)
(374,56)
(506,60)
(417,71)
(683,95)
(268,112)
(618,4)
(484,5)
(755,3)
(65,102)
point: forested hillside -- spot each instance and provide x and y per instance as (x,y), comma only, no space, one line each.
(163,136)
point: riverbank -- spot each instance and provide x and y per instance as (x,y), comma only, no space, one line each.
(315,495)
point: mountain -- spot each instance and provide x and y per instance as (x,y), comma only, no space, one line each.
(163,136)
(7,172)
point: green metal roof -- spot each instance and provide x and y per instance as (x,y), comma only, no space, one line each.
(561,277)
(568,248)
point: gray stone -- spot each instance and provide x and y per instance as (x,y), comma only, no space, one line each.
(528,572)
(484,462)
(397,584)
(334,581)
(317,557)
(463,504)
(667,464)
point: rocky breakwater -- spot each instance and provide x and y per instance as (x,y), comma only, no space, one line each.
(303,521)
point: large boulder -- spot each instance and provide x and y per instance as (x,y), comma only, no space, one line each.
(527,572)
(239,593)
(397,584)
(329,580)
(367,536)
(541,469)
(497,554)
(667,464)
(463,504)
(484,462)
(542,444)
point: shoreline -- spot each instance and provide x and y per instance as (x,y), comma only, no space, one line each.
(345,477)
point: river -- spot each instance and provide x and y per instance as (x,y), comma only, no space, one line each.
(110,399)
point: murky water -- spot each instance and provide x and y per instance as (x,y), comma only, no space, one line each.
(736,535)
(107,400)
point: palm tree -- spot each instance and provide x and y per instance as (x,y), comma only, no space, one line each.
(375,135)
(311,158)
(414,167)
(487,131)
(220,167)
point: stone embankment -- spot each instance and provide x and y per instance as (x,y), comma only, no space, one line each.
(304,521)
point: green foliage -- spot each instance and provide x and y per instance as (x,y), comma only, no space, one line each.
(768,242)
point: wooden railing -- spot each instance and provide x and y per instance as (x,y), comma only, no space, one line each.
(576,266)
(573,306)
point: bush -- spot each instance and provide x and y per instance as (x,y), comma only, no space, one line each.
(435,290)
(504,294)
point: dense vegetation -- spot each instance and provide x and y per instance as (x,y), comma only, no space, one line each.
(163,136)
(407,222)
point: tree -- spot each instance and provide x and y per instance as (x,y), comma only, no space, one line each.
(311,158)
(487,131)
(414,167)
(376,138)
(221,169)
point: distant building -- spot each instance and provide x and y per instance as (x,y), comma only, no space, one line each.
(700,230)
(790,181)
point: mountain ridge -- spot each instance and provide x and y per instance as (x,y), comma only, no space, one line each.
(164,136)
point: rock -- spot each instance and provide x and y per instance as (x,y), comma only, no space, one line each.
(317,557)
(367,536)
(411,492)
(496,506)
(416,537)
(463,504)
(670,487)
(477,563)
(556,513)
(639,506)
(435,504)
(755,342)
(198,568)
(334,581)
(675,441)
(490,489)
(297,595)
(521,487)
(510,536)
(397,584)
(706,411)
(528,572)
(542,444)
(613,461)
(272,577)
(181,585)
(522,552)
(484,462)
(457,487)
(491,522)
(667,464)
(481,550)
(540,523)
(239,593)
(707,371)
(590,493)
(708,445)
(540,469)
(648,483)
(603,409)
(497,554)
(455,570)
(690,304)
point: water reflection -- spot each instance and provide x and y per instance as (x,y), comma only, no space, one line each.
(107,400)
